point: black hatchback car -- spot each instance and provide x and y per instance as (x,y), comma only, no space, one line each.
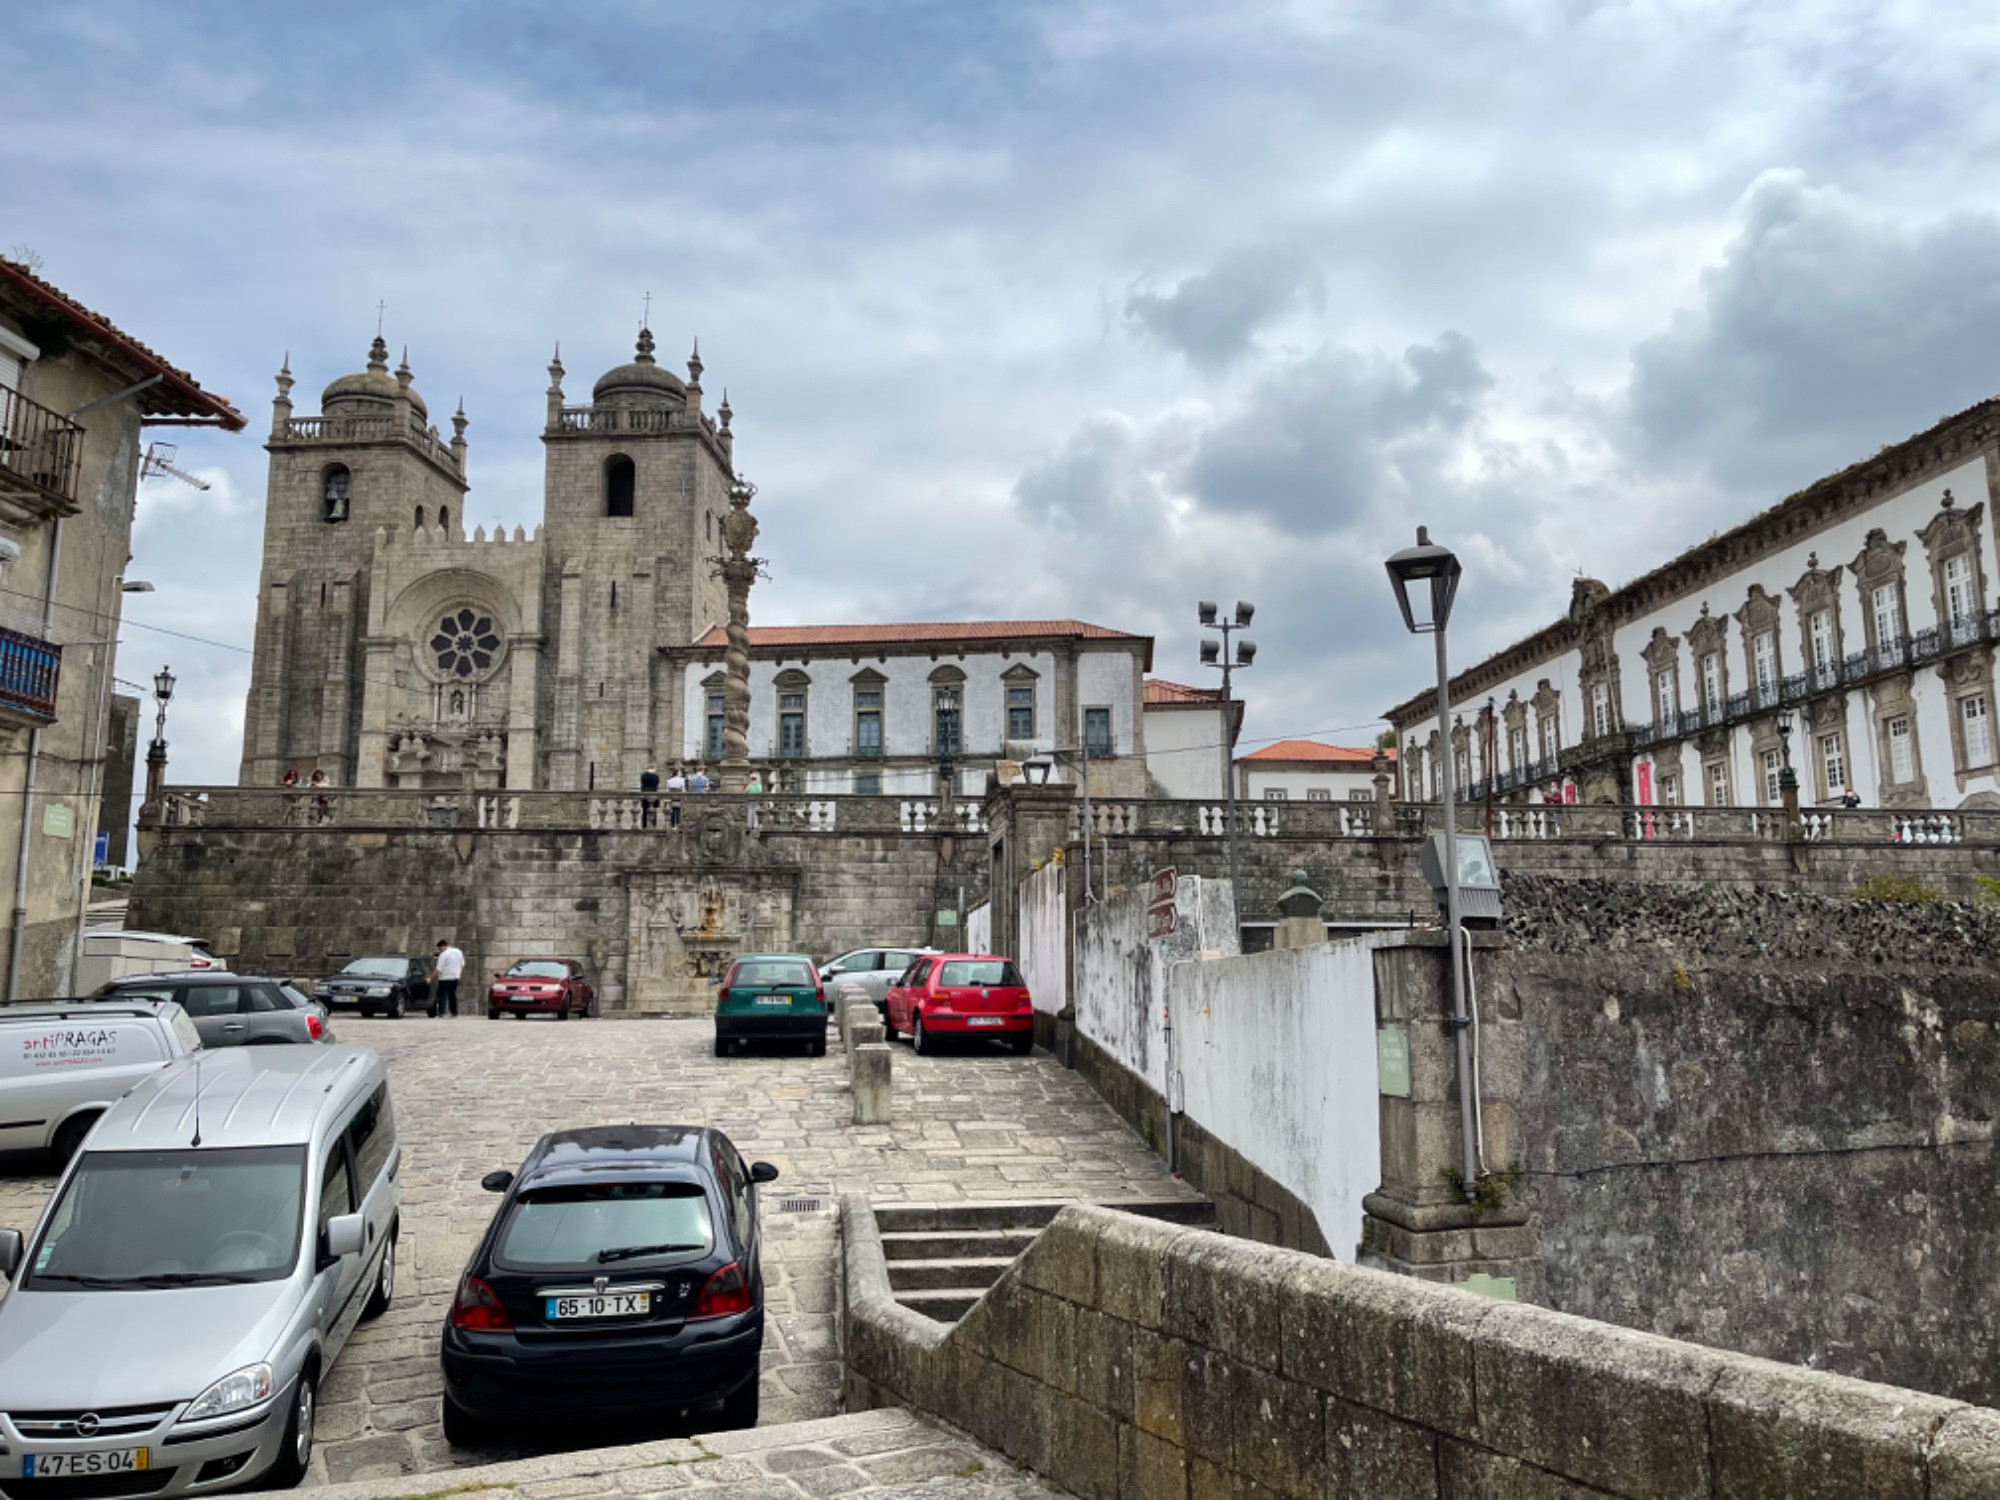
(619,1280)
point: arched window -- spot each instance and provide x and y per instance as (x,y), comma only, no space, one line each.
(420,518)
(336,493)
(444,518)
(620,480)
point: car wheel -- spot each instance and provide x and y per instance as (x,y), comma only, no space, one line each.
(1023,1044)
(740,1410)
(921,1039)
(296,1453)
(367,1012)
(492,1015)
(70,1136)
(396,1008)
(816,1047)
(385,1283)
(888,1026)
(461,1428)
(562,1009)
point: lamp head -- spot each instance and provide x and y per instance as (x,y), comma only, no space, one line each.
(1244,614)
(1431,573)
(1211,653)
(163,685)
(1246,653)
(1784,723)
(1206,610)
(135,586)
(1037,772)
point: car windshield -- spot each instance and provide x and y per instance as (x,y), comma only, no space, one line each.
(378,968)
(607,1223)
(983,971)
(132,1219)
(773,971)
(540,969)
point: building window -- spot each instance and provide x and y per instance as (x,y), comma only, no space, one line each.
(1977,722)
(792,726)
(1888,617)
(716,719)
(1551,738)
(621,482)
(1351,797)
(867,783)
(1774,767)
(1832,765)
(1668,698)
(1718,783)
(1822,644)
(1461,761)
(1275,794)
(336,493)
(1711,682)
(1324,794)
(1600,709)
(1960,602)
(945,714)
(1902,763)
(1097,732)
(1670,789)
(1517,747)
(420,518)
(867,721)
(1764,663)
(465,643)
(1021,713)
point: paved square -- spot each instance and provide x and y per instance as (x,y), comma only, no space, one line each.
(472,1095)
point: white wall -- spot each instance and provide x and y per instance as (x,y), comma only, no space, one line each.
(1275,1052)
(1044,956)
(1298,782)
(1184,749)
(1107,679)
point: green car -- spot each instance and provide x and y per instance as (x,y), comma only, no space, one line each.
(771,995)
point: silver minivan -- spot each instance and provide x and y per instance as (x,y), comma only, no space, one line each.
(196,1273)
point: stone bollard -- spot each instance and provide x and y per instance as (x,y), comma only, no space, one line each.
(870,1072)
(845,995)
(868,1033)
(857,1013)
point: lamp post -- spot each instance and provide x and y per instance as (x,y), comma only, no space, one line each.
(156,753)
(1788,779)
(1436,571)
(1216,654)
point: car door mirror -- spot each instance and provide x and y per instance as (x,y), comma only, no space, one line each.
(10,1252)
(760,1171)
(497,1182)
(345,1235)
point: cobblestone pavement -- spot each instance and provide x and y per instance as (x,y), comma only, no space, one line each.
(876,1455)
(472,1095)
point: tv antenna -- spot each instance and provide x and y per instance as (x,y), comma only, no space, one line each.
(160,460)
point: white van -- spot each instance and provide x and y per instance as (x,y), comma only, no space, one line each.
(116,954)
(63,1064)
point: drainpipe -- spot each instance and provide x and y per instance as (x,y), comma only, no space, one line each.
(20,925)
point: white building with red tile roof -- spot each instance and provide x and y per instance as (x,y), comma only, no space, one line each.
(1190,741)
(1309,771)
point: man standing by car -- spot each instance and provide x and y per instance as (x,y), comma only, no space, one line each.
(445,974)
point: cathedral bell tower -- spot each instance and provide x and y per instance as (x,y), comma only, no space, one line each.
(369,460)
(637,486)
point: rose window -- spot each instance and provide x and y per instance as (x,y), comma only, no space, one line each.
(465,643)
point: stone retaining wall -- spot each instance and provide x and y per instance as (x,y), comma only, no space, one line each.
(1124,1358)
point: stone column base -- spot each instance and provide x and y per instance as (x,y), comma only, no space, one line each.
(1450,1242)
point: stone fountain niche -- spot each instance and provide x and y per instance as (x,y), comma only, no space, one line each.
(689,919)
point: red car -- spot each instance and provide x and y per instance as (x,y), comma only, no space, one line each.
(542,986)
(961,994)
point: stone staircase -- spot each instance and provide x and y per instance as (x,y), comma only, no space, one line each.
(943,1256)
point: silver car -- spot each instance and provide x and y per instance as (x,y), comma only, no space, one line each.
(874,969)
(232,1010)
(196,1272)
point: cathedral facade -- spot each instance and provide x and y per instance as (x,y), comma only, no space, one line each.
(394,649)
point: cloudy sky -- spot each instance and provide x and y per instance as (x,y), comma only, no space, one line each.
(1070,309)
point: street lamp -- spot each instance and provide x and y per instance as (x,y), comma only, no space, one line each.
(1425,578)
(1216,654)
(1788,779)
(163,694)
(1037,771)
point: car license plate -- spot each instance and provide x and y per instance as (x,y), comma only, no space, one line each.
(774,999)
(82,1465)
(611,1305)
(986,1020)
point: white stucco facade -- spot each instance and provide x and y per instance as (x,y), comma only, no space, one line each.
(1187,740)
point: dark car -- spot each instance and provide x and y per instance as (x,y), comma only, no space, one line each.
(388,983)
(771,996)
(542,986)
(231,1010)
(619,1280)
(962,995)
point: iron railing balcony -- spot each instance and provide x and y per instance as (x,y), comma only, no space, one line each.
(29,670)
(41,454)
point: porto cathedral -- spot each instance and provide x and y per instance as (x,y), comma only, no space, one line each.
(398,645)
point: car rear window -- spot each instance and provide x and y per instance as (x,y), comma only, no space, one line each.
(982,971)
(604,1223)
(774,971)
(538,970)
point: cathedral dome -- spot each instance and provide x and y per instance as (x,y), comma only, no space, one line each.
(640,378)
(374,386)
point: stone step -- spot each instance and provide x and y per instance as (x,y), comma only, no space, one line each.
(1029,1214)
(955,1244)
(945,1304)
(923,1275)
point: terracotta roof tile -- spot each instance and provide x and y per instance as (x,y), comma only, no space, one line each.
(1313,751)
(1159,691)
(178,394)
(928,632)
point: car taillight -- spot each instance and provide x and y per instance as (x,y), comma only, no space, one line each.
(478,1309)
(313,1028)
(727,1291)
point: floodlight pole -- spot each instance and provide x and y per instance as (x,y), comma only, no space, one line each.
(1454,926)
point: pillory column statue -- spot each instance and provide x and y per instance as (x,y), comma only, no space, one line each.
(739,571)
